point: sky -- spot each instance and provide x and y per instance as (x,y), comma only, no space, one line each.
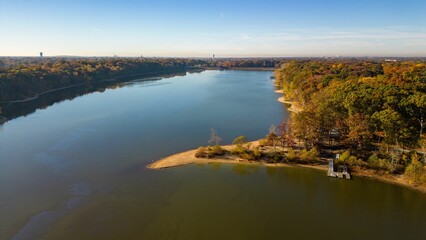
(226,28)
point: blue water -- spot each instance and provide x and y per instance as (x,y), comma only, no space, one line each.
(77,170)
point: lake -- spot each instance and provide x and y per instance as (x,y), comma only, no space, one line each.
(77,170)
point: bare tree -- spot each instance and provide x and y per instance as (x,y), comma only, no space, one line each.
(214,138)
(272,136)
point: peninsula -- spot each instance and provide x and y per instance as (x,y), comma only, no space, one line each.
(372,113)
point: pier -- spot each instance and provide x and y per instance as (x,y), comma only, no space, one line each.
(331,173)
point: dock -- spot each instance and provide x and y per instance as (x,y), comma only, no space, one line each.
(331,173)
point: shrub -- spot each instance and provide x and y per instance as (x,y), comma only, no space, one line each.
(275,157)
(263,142)
(215,151)
(310,155)
(201,152)
(237,150)
(377,163)
(313,154)
(303,154)
(257,154)
(353,161)
(415,170)
(240,140)
(291,155)
(343,158)
(246,156)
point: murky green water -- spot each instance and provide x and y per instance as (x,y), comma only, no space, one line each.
(76,170)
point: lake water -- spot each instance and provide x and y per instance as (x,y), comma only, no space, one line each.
(77,170)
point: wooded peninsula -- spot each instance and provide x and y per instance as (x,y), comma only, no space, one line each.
(370,112)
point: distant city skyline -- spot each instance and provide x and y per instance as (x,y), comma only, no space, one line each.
(165,28)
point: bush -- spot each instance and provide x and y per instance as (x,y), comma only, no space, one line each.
(275,157)
(310,155)
(237,150)
(246,156)
(343,158)
(257,154)
(291,155)
(215,151)
(313,154)
(377,163)
(201,152)
(263,142)
(353,161)
(415,170)
(240,140)
(209,152)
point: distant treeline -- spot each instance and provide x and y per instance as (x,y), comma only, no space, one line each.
(22,78)
(375,109)
(27,80)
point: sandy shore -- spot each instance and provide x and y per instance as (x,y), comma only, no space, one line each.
(188,157)
(292,108)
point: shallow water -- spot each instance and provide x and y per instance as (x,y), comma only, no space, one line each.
(76,170)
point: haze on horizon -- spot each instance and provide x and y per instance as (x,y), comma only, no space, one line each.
(269,28)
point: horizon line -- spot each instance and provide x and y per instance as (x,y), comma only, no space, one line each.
(211,57)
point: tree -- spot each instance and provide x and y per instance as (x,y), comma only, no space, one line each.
(214,138)
(416,107)
(359,132)
(392,123)
(272,136)
(240,140)
(306,128)
(415,170)
(285,133)
(240,147)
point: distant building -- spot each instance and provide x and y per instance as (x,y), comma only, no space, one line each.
(41,54)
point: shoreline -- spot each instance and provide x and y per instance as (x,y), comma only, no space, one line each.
(241,68)
(188,158)
(292,108)
(116,79)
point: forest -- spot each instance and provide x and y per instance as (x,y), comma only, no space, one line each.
(372,111)
(22,78)
(21,81)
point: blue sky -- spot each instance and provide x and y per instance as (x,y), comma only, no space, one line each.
(225,28)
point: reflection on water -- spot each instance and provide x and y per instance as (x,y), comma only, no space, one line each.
(245,169)
(17,109)
(76,170)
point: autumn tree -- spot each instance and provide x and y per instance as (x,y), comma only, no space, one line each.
(359,132)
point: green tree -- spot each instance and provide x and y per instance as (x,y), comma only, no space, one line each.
(415,170)
(416,106)
(359,131)
(240,140)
